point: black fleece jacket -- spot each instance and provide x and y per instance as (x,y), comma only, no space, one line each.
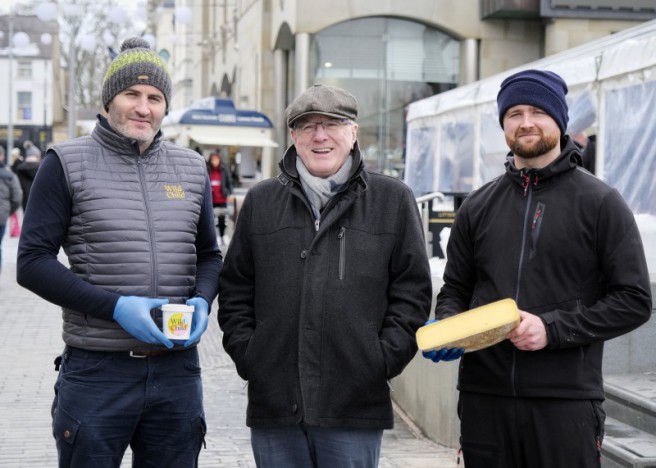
(318,316)
(566,247)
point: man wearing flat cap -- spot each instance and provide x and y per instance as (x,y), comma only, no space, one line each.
(134,216)
(323,288)
(566,247)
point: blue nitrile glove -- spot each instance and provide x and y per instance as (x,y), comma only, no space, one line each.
(133,314)
(199,322)
(444,354)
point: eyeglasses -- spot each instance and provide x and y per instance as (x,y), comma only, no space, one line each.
(329,126)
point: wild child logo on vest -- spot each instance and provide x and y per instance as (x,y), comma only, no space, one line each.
(174,191)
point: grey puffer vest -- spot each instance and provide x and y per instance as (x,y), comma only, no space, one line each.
(133,226)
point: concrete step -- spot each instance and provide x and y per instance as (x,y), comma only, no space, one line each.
(631,399)
(625,446)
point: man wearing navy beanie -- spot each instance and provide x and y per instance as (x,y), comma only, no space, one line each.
(565,246)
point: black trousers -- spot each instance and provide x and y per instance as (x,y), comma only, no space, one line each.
(220,211)
(503,432)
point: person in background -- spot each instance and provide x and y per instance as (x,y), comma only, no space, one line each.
(10,196)
(565,246)
(324,286)
(587,147)
(14,220)
(16,157)
(27,168)
(221,183)
(133,214)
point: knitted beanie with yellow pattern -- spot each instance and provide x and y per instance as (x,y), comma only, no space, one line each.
(136,64)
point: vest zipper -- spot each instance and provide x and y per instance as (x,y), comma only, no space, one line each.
(151,234)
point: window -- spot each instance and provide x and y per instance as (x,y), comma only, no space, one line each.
(24,70)
(386,63)
(165,54)
(24,107)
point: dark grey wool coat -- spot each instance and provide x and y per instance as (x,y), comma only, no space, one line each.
(318,318)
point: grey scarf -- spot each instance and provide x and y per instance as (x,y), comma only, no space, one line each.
(320,190)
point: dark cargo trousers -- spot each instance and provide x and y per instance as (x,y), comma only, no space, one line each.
(107,401)
(503,432)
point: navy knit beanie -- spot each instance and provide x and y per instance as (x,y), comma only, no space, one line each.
(540,88)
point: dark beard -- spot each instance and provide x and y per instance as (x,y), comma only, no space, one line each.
(543,145)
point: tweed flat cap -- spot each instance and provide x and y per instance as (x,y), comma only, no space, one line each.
(324,100)
(136,64)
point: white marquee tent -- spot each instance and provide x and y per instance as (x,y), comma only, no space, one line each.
(455,142)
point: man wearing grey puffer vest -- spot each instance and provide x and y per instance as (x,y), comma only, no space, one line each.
(133,214)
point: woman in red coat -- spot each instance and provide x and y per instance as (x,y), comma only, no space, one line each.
(221,184)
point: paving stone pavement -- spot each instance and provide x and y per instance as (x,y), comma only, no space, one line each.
(31,340)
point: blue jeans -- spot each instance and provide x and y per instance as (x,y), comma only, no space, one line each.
(106,401)
(305,446)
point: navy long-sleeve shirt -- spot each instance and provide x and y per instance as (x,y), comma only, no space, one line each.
(44,228)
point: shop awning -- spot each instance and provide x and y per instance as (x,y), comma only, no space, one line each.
(218,135)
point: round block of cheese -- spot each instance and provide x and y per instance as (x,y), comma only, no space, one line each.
(472,330)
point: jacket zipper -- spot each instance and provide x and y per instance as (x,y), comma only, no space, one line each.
(342,251)
(528,193)
(527,181)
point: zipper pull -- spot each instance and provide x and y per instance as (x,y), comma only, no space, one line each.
(340,234)
(316,224)
(536,217)
(527,181)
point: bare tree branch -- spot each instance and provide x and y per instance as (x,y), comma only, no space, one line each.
(86,28)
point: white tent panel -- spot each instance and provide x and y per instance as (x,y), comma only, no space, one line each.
(455,143)
(629,56)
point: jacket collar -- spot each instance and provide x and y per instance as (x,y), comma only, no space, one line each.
(288,166)
(569,158)
(108,137)
(6,174)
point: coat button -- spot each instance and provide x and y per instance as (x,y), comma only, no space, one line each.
(304,254)
(67,434)
(294,408)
